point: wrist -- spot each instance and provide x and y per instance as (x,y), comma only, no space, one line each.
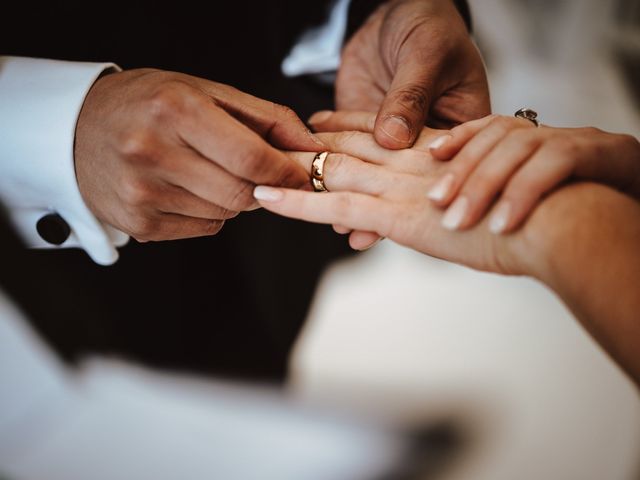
(563,231)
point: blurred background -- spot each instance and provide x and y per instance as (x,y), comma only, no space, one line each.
(406,363)
(408,337)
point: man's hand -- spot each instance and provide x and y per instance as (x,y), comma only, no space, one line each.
(162,155)
(413,62)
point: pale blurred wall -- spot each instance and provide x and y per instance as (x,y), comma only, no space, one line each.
(561,57)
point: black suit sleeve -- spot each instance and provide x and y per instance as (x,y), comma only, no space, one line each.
(359,11)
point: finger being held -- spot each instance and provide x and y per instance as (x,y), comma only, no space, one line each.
(356,211)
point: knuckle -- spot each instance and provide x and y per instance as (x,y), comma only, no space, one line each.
(592,131)
(136,193)
(518,135)
(241,198)
(282,111)
(212,227)
(137,144)
(252,160)
(630,141)
(522,137)
(228,214)
(504,123)
(169,100)
(260,163)
(413,98)
(144,227)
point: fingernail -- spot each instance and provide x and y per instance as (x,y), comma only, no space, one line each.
(441,189)
(455,214)
(397,128)
(372,245)
(500,218)
(315,139)
(267,194)
(438,142)
(320,116)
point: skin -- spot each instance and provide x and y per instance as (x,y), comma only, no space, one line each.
(162,155)
(412,62)
(509,159)
(561,243)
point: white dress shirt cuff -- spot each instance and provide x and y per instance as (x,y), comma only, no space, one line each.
(41,101)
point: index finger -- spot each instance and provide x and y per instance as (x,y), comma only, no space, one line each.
(276,123)
(219,137)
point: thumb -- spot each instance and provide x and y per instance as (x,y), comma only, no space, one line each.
(405,107)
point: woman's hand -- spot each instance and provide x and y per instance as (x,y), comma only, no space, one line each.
(387,195)
(581,240)
(509,158)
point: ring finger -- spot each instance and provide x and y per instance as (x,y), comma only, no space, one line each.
(346,173)
(343,172)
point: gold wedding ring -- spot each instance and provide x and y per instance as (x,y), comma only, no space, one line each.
(528,114)
(317,172)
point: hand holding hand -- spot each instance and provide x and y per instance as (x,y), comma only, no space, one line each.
(563,242)
(385,194)
(162,155)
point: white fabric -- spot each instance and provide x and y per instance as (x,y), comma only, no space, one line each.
(111,421)
(318,50)
(41,101)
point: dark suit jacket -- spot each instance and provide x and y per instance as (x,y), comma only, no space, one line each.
(230,304)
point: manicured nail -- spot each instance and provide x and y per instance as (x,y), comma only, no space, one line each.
(267,194)
(438,142)
(500,218)
(320,116)
(315,139)
(442,188)
(397,128)
(455,214)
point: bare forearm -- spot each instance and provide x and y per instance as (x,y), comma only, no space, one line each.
(584,243)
